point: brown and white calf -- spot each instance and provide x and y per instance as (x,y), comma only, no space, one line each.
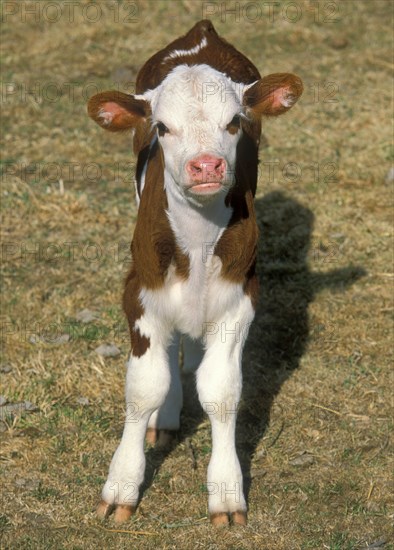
(196,118)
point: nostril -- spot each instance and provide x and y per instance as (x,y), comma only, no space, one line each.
(193,167)
(220,165)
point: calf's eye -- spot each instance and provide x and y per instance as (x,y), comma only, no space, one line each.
(234,124)
(162,129)
(236,121)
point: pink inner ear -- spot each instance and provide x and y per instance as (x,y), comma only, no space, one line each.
(282,97)
(110,110)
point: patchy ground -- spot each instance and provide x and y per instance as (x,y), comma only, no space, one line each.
(316,418)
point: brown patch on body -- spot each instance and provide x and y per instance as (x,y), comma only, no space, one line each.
(153,249)
(237,247)
(134,311)
(139,343)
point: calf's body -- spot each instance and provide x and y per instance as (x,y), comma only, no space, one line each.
(197,121)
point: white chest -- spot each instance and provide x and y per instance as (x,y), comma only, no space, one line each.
(191,306)
(188,305)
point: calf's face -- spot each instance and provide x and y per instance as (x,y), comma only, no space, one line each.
(197,112)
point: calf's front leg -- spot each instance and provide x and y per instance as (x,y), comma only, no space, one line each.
(219,384)
(147,384)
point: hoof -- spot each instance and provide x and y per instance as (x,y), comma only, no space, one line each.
(220,519)
(239,518)
(104,509)
(162,439)
(165,439)
(123,512)
(151,436)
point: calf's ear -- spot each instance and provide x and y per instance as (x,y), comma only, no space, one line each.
(272,95)
(116,111)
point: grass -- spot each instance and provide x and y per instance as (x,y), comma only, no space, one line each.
(318,363)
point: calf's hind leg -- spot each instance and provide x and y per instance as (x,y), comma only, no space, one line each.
(164,422)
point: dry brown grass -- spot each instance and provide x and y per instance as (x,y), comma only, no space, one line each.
(316,419)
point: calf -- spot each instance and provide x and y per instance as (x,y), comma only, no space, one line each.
(196,118)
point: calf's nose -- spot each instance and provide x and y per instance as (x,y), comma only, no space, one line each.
(206,168)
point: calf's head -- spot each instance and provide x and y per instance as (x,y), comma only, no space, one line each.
(198,114)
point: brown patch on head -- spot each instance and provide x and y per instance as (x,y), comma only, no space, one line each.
(217,53)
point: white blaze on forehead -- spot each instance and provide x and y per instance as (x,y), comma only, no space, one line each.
(181,53)
(192,94)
